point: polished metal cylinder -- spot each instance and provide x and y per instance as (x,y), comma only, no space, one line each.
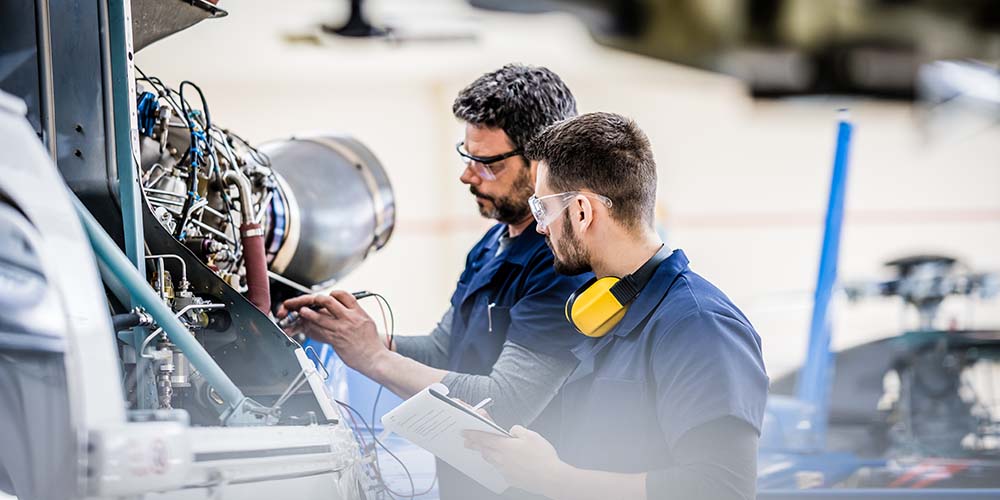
(337,207)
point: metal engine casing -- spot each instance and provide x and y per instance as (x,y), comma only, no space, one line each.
(342,206)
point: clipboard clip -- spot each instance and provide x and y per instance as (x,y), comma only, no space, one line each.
(316,361)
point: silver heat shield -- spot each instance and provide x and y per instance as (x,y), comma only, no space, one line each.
(340,206)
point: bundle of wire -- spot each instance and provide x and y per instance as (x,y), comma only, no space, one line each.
(389,325)
(207,142)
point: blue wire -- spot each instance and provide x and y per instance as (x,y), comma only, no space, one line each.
(146,110)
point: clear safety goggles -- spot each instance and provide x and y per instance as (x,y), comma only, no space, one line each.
(548,208)
(486,167)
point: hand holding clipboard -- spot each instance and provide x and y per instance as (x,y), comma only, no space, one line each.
(435,422)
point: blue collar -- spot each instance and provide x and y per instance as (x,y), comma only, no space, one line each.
(521,249)
(653,293)
(643,305)
(520,252)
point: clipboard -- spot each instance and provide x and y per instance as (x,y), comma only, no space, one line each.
(465,409)
(434,422)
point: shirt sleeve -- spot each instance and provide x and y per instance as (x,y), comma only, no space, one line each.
(430,350)
(708,366)
(522,383)
(538,320)
(716,460)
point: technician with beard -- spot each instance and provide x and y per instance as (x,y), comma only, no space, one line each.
(668,399)
(504,336)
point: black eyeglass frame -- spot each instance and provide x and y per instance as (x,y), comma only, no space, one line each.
(486,160)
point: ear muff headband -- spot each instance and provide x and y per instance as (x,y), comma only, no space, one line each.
(597,306)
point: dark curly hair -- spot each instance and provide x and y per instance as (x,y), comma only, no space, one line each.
(607,154)
(520,100)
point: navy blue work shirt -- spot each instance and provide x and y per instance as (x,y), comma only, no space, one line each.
(514,296)
(682,356)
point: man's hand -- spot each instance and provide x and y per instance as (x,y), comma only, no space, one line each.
(338,320)
(527,460)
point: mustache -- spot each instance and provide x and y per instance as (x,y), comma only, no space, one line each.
(476,192)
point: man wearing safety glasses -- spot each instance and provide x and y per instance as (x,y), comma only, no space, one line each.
(504,336)
(668,398)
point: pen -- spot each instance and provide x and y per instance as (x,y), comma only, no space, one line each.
(483,404)
(293,317)
(489,316)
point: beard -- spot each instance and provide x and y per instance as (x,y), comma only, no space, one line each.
(575,259)
(511,208)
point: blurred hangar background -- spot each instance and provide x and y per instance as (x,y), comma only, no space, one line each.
(744,162)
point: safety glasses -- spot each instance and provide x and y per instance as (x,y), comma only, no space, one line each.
(483,166)
(548,208)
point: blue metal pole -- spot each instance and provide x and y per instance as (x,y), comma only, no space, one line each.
(111,257)
(815,378)
(126,138)
(123,147)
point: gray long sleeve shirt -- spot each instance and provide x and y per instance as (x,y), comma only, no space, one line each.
(521,383)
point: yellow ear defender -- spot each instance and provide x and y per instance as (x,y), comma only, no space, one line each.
(597,306)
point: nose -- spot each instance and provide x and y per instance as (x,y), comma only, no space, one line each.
(469,177)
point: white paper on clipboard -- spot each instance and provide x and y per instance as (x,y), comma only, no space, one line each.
(435,424)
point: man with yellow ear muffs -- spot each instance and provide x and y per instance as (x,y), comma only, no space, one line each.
(667,400)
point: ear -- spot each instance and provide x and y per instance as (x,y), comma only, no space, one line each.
(582,212)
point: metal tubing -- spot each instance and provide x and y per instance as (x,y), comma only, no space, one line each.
(178,314)
(118,97)
(164,193)
(109,254)
(213,231)
(119,29)
(160,201)
(161,282)
(297,286)
(47,97)
(246,194)
(184,271)
(813,385)
(214,212)
(263,207)
(149,174)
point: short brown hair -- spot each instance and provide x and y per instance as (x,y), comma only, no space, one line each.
(607,154)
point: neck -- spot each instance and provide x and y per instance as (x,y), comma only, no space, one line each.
(625,254)
(514,230)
